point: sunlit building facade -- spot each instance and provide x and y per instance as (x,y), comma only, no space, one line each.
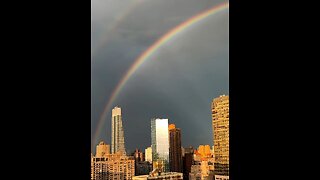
(117,132)
(92,167)
(102,149)
(203,153)
(112,167)
(162,176)
(219,177)
(220,123)
(148,154)
(160,144)
(106,166)
(202,170)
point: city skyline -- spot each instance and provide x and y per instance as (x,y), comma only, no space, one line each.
(176,82)
(117,113)
(168,156)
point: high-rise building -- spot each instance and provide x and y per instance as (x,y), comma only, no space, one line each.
(117,134)
(160,144)
(148,154)
(139,165)
(204,150)
(203,153)
(102,149)
(201,170)
(203,164)
(220,123)
(175,157)
(187,160)
(92,167)
(112,167)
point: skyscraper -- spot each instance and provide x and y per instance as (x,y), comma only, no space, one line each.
(160,144)
(117,134)
(175,149)
(220,124)
(187,160)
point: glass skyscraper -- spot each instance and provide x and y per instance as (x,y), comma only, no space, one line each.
(160,144)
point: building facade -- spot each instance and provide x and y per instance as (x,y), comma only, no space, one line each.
(140,166)
(138,155)
(175,157)
(112,167)
(143,168)
(148,154)
(202,171)
(92,167)
(219,177)
(220,123)
(187,161)
(203,153)
(168,175)
(102,149)
(117,132)
(160,144)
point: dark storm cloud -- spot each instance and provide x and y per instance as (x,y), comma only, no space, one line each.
(178,82)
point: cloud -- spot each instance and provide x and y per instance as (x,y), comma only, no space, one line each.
(177,82)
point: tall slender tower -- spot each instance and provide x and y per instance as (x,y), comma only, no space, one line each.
(220,124)
(175,149)
(117,134)
(160,144)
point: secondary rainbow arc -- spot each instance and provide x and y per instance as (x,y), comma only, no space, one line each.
(147,53)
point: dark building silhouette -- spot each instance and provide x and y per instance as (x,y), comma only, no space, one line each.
(175,157)
(140,166)
(187,160)
(143,168)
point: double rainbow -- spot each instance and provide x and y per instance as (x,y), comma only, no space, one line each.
(146,54)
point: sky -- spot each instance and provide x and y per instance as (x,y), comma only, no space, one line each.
(177,82)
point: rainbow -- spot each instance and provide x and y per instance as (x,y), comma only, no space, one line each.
(115,24)
(153,48)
